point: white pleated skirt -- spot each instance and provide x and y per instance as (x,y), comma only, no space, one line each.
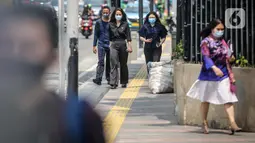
(214,92)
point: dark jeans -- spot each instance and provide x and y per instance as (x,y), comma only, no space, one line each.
(152,54)
(119,56)
(102,53)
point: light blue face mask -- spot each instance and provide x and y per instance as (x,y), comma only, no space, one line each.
(218,34)
(152,20)
(118,17)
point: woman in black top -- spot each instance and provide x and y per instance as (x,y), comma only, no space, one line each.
(153,33)
(120,39)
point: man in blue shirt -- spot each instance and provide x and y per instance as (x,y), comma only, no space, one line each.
(101,45)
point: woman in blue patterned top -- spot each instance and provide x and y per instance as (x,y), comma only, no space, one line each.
(216,80)
(153,33)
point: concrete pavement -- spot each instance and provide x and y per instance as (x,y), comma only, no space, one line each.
(134,115)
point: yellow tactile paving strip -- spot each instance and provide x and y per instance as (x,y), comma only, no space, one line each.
(116,117)
(117,114)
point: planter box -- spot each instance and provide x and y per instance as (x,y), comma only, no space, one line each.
(188,110)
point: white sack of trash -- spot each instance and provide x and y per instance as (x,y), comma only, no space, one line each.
(160,77)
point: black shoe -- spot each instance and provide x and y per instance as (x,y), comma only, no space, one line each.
(124,86)
(97,82)
(113,86)
(108,82)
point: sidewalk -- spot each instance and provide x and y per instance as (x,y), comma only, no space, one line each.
(134,115)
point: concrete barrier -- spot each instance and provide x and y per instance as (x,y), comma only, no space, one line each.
(134,54)
(188,110)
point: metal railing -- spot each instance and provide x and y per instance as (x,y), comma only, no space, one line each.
(194,15)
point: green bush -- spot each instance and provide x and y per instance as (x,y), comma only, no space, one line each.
(178,51)
(241,61)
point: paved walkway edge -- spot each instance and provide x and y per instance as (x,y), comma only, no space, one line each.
(119,111)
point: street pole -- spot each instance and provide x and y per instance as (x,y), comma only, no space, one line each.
(61,48)
(151,5)
(115,4)
(168,7)
(118,3)
(140,20)
(140,13)
(72,30)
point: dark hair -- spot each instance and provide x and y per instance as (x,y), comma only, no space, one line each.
(105,7)
(208,30)
(148,15)
(42,13)
(124,16)
(101,10)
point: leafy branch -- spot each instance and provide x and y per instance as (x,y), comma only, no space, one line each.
(178,51)
(241,61)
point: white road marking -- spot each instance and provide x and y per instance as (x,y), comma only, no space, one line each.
(88,70)
(81,84)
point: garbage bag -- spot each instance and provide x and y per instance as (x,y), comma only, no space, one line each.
(160,77)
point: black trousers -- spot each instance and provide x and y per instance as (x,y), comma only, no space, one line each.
(102,54)
(119,57)
(152,54)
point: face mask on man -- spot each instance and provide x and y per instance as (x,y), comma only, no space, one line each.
(106,16)
(118,17)
(218,33)
(152,20)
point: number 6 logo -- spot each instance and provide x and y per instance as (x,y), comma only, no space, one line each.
(235,18)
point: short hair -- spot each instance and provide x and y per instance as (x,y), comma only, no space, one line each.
(106,7)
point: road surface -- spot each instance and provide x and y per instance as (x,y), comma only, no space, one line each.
(87,64)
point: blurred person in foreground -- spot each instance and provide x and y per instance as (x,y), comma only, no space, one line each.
(29,113)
